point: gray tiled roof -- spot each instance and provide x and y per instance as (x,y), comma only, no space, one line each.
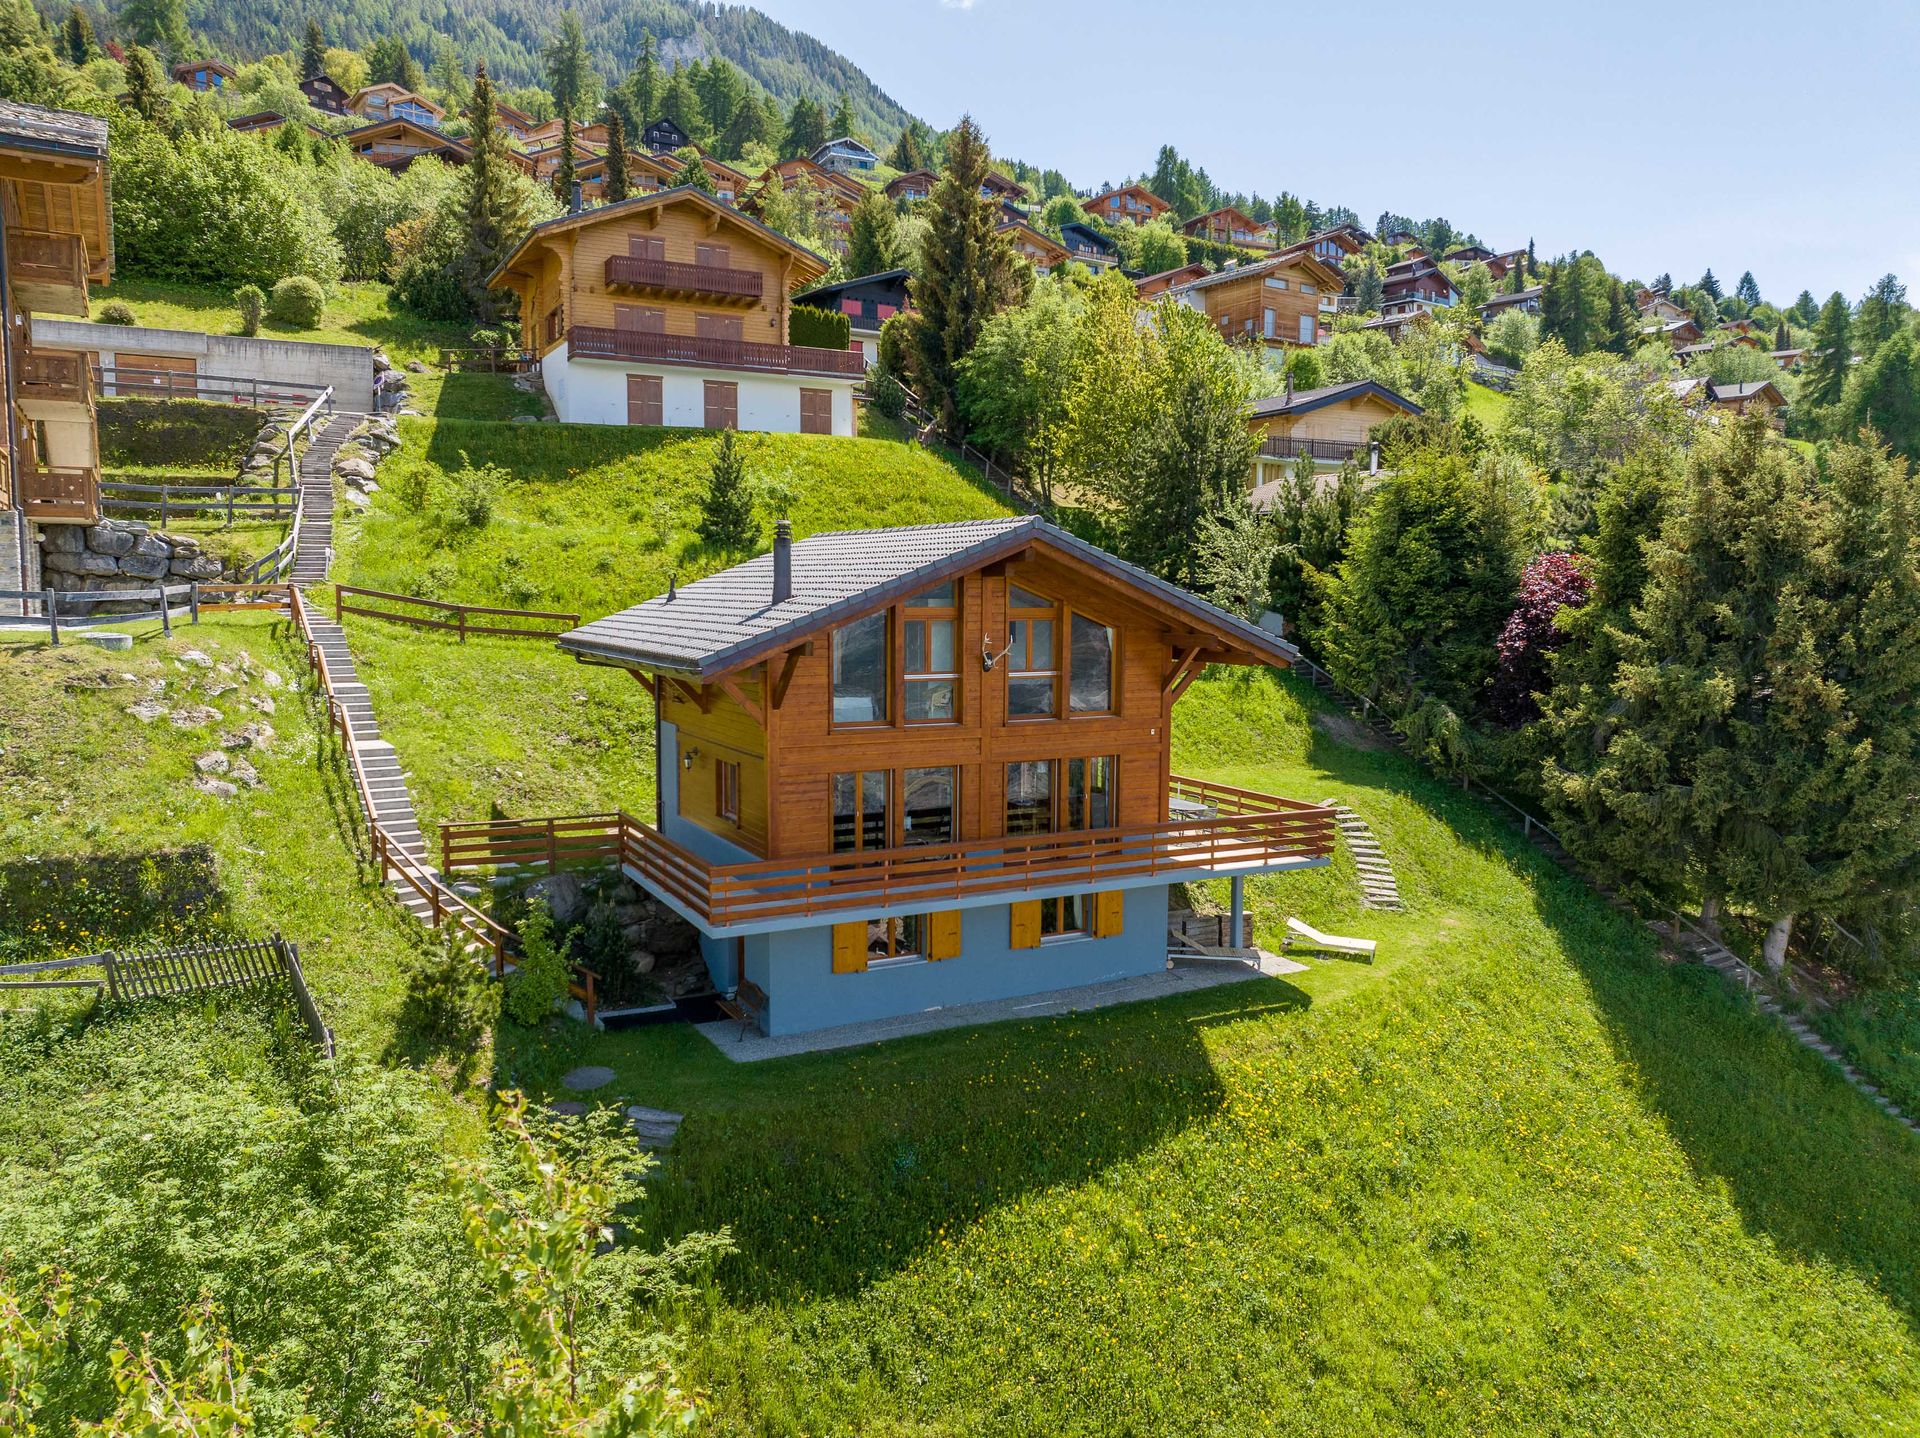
(40,128)
(1303,400)
(727,620)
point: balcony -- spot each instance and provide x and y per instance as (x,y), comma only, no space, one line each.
(52,377)
(594,342)
(669,277)
(1211,829)
(60,496)
(48,270)
(1334,451)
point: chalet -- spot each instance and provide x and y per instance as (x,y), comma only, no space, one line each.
(1284,302)
(1134,203)
(864,820)
(1000,187)
(1506,262)
(729,184)
(1417,284)
(395,144)
(1330,423)
(1754,394)
(395,102)
(1676,332)
(1790,359)
(913,186)
(846,156)
(1227,226)
(1400,239)
(324,93)
(1527,301)
(1333,246)
(57,240)
(1040,250)
(672,308)
(868,302)
(1152,286)
(1470,255)
(550,132)
(1656,306)
(1089,246)
(513,121)
(265,122)
(663,136)
(203,74)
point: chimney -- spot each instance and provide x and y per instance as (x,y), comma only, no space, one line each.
(579,194)
(782,561)
(1289,386)
(673,587)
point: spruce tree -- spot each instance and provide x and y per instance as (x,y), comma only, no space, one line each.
(491,222)
(1709,284)
(146,93)
(1825,374)
(680,103)
(313,51)
(158,24)
(1885,396)
(691,173)
(873,242)
(638,96)
(841,125)
(568,171)
(1883,310)
(806,129)
(1623,321)
(618,179)
(77,41)
(967,274)
(1748,289)
(1782,337)
(1806,309)
(571,78)
(726,508)
(907,153)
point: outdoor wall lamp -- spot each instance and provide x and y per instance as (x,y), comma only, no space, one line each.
(686,759)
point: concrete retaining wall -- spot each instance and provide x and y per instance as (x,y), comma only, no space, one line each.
(348,368)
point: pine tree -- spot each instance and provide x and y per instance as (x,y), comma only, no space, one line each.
(568,171)
(966,276)
(806,129)
(570,74)
(1622,331)
(907,153)
(491,222)
(77,41)
(1709,285)
(726,508)
(1824,380)
(723,93)
(146,93)
(873,242)
(1886,396)
(680,103)
(1883,310)
(1782,337)
(642,86)
(313,51)
(390,62)
(842,123)
(1806,309)
(618,180)
(1369,286)
(691,174)
(1748,289)
(1532,264)
(756,122)
(158,24)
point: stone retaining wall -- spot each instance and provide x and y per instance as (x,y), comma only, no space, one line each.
(118,557)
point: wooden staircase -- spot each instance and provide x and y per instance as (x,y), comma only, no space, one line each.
(1378,887)
(315,549)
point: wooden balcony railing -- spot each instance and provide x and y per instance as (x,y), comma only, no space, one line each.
(55,376)
(60,494)
(1338,451)
(1223,829)
(48,269)
(594,342)
(674,277)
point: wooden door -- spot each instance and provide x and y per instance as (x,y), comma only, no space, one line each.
(816,411)
(722,404)
(646,402)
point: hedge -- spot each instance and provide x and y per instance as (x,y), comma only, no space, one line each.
(821,329)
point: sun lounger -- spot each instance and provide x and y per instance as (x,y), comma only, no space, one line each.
(1310,937)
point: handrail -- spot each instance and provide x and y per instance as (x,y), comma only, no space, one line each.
(136,381)
(460,611)
(678,275)
(602,342)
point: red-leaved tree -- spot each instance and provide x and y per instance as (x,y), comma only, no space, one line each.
(1552,582)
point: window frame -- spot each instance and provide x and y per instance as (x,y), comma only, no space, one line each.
(726,791)
(860,813)
(1112,709)
(1063,935)
(911,613)
(885,719)
(1054,616)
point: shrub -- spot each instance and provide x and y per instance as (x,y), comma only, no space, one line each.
(821,329)
(116,312)
(298,301)
(251,301)
(541,979)
(470,501)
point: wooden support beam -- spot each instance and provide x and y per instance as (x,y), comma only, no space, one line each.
(733,691)
(648,683)
(698,697)
(1182,658)
(785,677)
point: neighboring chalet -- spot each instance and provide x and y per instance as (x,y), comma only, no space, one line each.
(846,156)
(918,185)
(1416,285)
(1227,226)
(1006,190)
(1527,301)
(1676,332)
(1089,246)
(1790,359)
(58,240)
(1656,306)
(1285,302)
(513,121)
(1130,202)
(1039,249)
(672,308)
(265,122)
(324,93)
(1470,255)
(868,302)
(203,75)
(913,186)
(909,769)
(1330,423)
(550,132)
(395,102)
(1149,287)
(662,136)
(395,144)
(1506,262)
(1333,246)
(1699,393)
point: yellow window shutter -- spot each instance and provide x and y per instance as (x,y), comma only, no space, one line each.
(1109,914)
(943,935)
(1025,925)
(850,947)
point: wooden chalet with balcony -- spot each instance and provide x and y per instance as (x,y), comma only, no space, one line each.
(1285,302)
(1036,247)
(203,75)
(56,239)
(663,136)
(1416,285)
(1149,287)
(1331,424)
(901,769)
(672,308)
(395,102)
(396,143)
(911,187)
(868,302)
(846,156)
(325,93)
(1087,245)
(1228,226)
(1129,203)
(1332,246)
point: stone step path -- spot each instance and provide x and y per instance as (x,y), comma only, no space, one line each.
(656,1128)
(1378,887)
(316,499)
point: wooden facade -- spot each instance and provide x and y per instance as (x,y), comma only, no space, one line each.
(1135,203)
(1286,302)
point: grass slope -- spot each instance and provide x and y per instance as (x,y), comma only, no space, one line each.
(1519,1175)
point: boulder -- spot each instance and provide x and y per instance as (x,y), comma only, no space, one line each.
(526,419)
(63,538)
(587,1078)
(152,546)
(642,961)
(416,366)
(198,658)
(145,566)
(178,542)
(354,470)
(194,566)
(148,710)
(212,762)
(254,734)
(358,498)
(110,538)
(219,788)
(84,562)
(564,898)
(262,702)
(245,773)
(381,364)
(195,716)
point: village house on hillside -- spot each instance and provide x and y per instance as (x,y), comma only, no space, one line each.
(1089,246)
(1284,302)
(672,308)
(58,241)
(395,102)
(902,769)
(325,93)
(868,302)
(1227,226)
(203,74)
(1416,284)
(1129,202)
(845,156)
(1330,424)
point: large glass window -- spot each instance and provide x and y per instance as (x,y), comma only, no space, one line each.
(1030,797)
(1090,675)
(931,661)
(860,811)
(929,806)
(1034,657)
(860,671)
(1086,797)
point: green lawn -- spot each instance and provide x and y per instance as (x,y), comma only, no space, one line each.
(1518,1175)
(1487,406)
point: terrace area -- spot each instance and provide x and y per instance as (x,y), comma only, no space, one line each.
(672,277)
(598,342)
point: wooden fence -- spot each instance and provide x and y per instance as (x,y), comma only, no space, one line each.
(460,621)
(119,496)
(133,381)
(200,595)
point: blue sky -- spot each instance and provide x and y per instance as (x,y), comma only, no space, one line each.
(1779,138)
